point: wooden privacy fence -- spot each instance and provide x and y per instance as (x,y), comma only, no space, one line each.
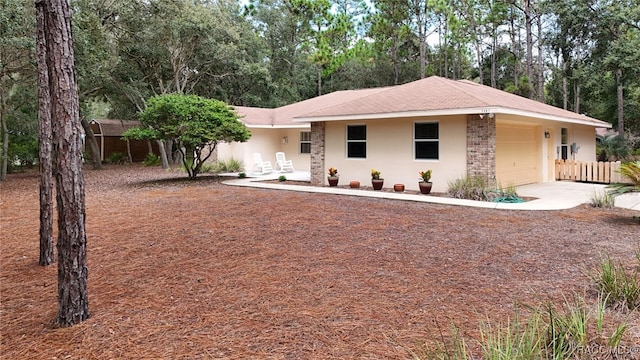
(595,171)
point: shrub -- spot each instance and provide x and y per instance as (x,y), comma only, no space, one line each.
(478,188)
(116,158)
(468,187)
(282,178)
(151,160)
(228,166)
(242,175)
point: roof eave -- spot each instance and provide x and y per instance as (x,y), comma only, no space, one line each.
(269,126)
(465,111)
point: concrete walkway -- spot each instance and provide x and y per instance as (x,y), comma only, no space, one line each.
(549,196)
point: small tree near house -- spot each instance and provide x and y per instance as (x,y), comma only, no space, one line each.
(196,125)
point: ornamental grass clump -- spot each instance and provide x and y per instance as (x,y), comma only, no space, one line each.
(621,288)
(604,200)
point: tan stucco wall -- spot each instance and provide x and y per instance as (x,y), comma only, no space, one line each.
(267,142)
(390,150)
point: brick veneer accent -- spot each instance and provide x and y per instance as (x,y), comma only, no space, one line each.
(317,153)
(481,147)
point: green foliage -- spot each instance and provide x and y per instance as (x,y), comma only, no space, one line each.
(611,147)
(228,166)
(282,178)
(603,200)
(116,158)
(619,287)
(195,124)
(469,187)
(152,160)
(516,339)
(568,331)
(478,188)
(630,170)
(242,175)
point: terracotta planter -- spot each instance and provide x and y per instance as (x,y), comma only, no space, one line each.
(398,187)
(333,180)
(377,183)
(354,184)
(425,187)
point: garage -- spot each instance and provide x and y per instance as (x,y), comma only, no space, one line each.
(517,154)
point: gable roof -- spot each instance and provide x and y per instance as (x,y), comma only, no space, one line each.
(284,116)
(437,96)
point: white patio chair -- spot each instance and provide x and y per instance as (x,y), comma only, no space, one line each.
(261,167)
(283,163)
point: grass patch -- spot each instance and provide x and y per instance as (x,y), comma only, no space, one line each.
(569,331)
(621,288)
(604,200)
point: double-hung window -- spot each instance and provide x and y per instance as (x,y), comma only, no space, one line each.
(427,141)
(356,141)
(305,142)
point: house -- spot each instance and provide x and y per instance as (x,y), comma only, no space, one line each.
(108,133)
(274,130)
(452,127)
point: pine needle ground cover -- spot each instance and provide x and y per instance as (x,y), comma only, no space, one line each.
(183,269)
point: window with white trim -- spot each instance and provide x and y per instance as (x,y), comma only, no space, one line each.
(305,142)
(356,141)
(426,138)
(564,143)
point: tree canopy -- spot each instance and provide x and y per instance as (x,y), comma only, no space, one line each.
(195,124)
(581,55)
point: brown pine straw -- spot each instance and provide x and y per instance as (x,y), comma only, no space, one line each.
(201,270)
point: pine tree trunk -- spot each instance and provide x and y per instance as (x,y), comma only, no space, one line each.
(4,156)
(540,61)
(45,146)
(73,304)
(620,97)
(529,42)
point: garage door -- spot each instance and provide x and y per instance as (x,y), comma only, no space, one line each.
(517,155)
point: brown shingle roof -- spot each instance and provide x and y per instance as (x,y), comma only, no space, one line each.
(284,116)
(435,95)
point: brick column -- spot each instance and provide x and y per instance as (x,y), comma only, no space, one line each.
(317,153)
(481,146)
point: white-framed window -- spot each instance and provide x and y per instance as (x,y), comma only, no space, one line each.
(356,141)
(305,142)
(426,139)
(564,144)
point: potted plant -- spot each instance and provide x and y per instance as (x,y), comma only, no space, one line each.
(333,177)
(376,181)
(425,183)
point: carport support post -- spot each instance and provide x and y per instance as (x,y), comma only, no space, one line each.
(317,153)
(481,146)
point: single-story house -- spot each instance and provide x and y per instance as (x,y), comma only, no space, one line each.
(108,133)
(453,127)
